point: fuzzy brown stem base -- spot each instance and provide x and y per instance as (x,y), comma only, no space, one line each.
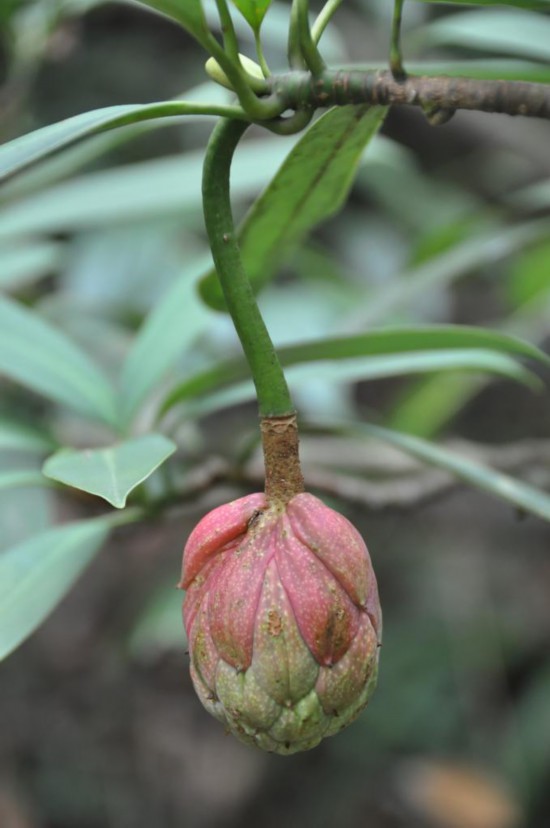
(283,474)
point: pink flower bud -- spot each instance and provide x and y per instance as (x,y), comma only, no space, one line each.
(283,620)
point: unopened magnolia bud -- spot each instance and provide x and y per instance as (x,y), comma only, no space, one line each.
(283,620)
(254,74)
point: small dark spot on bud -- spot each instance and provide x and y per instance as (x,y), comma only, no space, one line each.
(335,714)
(287,745)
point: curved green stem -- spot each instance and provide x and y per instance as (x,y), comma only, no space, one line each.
(312,56)
(323,19)
(267,373)
(396,58)
(228,30)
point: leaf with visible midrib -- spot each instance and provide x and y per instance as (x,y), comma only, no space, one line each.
(310,186)
(111,473)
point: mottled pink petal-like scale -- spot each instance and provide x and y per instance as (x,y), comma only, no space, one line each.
(326,616)
(215,530)
(283,620)
(334,540)
(235,596)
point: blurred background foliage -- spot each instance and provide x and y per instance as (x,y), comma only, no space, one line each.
(98,719)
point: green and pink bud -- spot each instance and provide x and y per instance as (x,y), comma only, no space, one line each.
(283,620)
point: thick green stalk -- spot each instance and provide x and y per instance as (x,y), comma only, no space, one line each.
(267,373)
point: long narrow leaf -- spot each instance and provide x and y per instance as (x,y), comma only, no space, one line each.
(510,31)
(37,573)
(387,341)
(310,186)
(43,359)
(21,153)
(471,471)
(170,327)
(158,188)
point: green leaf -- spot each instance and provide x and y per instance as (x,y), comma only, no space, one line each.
(170,327)
(111,473)
(21,153)
(474,253)
(521,4)
(488,68)
(310,186)
(253,11)
(188,13)
(522,33)
(529,276)
(368,368)
(41,358)
(22,264)
(20,479)
(36,574)
(18,437)
(482,477)
(159,628)
(137,192)
(389,341)
(430,402)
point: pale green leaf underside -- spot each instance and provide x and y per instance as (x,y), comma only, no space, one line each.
(17,437)
(171,326)
(471,471)
(43,359)
(389,342)
(36,574)
(310,186)
(111,473)
(510,31)
(366,368)
(521,4)
(22,479)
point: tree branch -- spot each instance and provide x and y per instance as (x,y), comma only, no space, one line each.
(298,90)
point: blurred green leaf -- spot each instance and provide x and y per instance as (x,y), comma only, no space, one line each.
(111,473)
(36,574)
(21,153)
(471,471)
(310,186)
(253,11)
(159,188)
(389,341)
(522,4)
(159,627)
(18,437)
(367,368)
(41,358)
(529,276)
(524,749)
(476,252)
(175,321)
(425,406)
(19,479)
(515,32)
(21,264)
(481,68)
(534,197)
(188,13)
